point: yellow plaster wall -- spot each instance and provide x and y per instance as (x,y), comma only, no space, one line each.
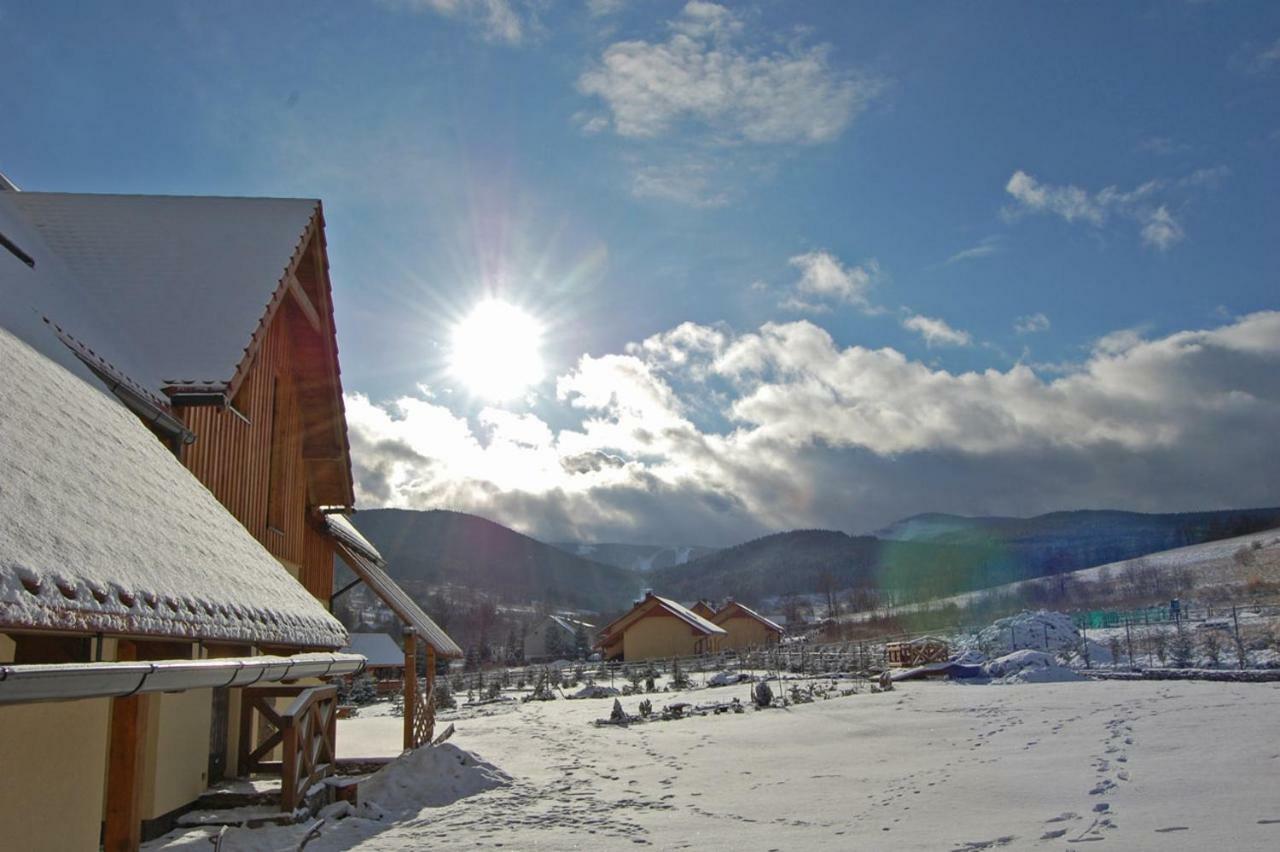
(54,801)
(178,750)
(7,648)
(746,632)
(658,636)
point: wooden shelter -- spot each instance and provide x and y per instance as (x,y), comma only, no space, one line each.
(917,652)
(657,627)
(746,628)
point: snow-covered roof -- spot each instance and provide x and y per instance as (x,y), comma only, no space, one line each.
(378,648)
(686,614)
(681,612)
(733,608)
(181,282)
(345,531)
(366,564)
(104,530)
(570,624)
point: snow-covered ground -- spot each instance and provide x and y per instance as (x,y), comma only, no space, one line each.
(930,766)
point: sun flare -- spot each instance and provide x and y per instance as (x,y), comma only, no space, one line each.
(496,350)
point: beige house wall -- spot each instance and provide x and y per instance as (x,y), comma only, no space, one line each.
(177,750)
(7,649)
(658,636)
(54,801)
(746,632)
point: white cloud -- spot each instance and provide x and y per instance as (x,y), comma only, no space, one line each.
(1265,58)
(809,433)
(1031,324)
(936,332)
(1146,205)
(688,182)
(1069,202)
(601,8)
(705,74)
(506,21)
(985,247)
(1161,230)
(825,279)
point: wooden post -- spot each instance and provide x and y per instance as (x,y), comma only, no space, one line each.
(410,685)
(126,762)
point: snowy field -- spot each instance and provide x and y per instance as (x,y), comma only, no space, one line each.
(931,766)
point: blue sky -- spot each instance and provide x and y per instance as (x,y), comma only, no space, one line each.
(1019,188)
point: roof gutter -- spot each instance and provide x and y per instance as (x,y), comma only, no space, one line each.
(23,684)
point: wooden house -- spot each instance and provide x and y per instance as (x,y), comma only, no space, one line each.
(555,637)
(746,628)
(112,554)
(211,321)
(657,628)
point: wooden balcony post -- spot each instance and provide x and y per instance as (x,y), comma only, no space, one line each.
(410,686)
(126,762)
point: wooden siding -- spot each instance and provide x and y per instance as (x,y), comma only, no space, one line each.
(232,456)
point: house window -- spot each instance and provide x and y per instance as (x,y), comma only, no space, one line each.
(279,448)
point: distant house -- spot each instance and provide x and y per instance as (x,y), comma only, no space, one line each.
(657,627)
(704,608)
(211,321)
(384,659)
(556,637)
(746,628)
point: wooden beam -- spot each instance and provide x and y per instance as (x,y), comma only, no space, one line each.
(410,685)
(126,762)
(303,301)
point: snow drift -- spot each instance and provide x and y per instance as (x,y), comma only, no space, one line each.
(432,777)
(1027,666)
(1049,632)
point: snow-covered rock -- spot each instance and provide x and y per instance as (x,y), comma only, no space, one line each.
(728,678)
(596,691)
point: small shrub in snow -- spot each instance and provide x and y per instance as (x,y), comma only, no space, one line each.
(443,694)
(646,708)
(679,680)
(762,695)
(361,691)
(1116,647)
(1182,650)
(1211,647)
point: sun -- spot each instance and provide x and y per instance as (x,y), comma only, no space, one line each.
(496,350)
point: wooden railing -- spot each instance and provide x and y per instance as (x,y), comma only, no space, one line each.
(305,731)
